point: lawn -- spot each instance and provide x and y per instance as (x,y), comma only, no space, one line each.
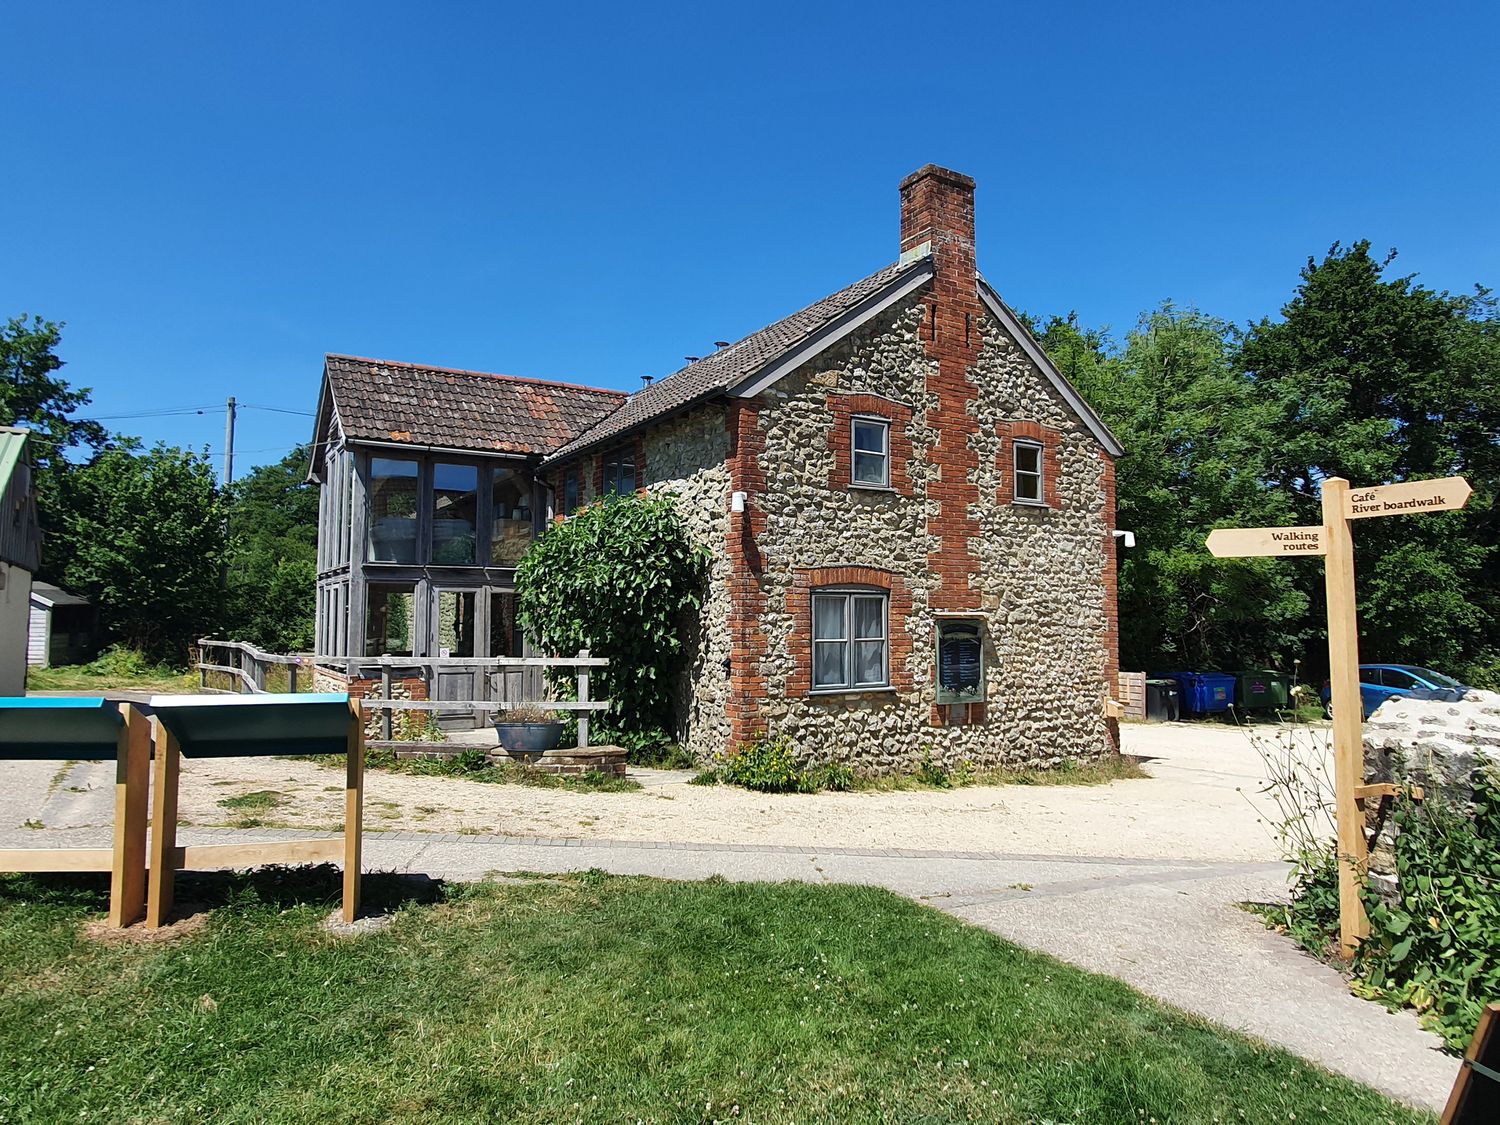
(598,999)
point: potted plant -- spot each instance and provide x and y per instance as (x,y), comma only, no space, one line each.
(528,729)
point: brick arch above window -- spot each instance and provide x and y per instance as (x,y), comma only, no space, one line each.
(1026,431)
(843,409)
(799,608)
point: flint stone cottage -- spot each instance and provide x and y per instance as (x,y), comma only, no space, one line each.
(910,511)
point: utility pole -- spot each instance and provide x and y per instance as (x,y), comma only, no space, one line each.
(229,444)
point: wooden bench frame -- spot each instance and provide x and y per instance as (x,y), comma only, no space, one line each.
(126,859)
(167,858)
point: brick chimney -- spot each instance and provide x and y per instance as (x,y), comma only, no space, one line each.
(937,207)
(937,214)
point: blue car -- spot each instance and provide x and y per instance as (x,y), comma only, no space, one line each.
(1379,682)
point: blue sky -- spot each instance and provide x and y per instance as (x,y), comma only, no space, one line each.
(212,196)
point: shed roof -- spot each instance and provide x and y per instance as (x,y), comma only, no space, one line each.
(408,403)
(20,538)
(52,595)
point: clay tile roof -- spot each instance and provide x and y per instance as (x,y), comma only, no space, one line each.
(381,400)
(727,366)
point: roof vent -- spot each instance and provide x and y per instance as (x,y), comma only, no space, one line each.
(692,358)
(645,380)
(721,343)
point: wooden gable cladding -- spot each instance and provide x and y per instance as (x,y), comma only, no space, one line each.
(1024,430)
(842,410)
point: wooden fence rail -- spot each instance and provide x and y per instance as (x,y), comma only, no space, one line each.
(493,676)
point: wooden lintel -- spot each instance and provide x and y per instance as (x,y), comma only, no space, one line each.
(1386,789)
(57,859)
(199,856)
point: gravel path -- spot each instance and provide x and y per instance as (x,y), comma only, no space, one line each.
(1138,879)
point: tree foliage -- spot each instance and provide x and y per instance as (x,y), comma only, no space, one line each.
(271,561)
(1197,446)
(619,578)
(33,395)
(141,534)
(1380,379)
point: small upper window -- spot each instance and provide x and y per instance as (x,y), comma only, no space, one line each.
(1028,478)
(619,473)
(570,492)
(872,452)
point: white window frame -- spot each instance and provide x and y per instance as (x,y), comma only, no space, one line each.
(884,425)
(1040,476)
(848,596)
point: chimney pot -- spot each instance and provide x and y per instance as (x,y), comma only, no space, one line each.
(645,380)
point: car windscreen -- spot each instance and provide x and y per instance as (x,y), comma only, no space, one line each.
(1436,677)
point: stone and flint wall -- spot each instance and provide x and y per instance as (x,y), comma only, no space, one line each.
(946,538)
(1439,745)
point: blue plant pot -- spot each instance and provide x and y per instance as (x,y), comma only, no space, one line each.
(529,738)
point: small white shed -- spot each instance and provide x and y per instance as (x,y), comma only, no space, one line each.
(62,627)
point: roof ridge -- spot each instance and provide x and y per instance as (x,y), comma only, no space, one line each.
(479,374)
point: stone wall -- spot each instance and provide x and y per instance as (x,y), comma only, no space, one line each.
(687,457)
(326,679)
(1033,574)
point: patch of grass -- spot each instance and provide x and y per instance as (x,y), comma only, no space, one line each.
(598,999)
(1100,771)
(115,669)
(260,800)
(474,765)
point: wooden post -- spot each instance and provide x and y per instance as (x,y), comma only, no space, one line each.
(385,693)
(291,673)
(583,697)
(163,828)
(127,881)
(1348,713)
(354,800)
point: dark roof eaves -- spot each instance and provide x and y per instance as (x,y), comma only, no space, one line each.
(575,450)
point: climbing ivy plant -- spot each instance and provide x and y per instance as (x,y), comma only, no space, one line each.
(620,578)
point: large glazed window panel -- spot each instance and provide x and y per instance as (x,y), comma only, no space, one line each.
(510,530)
(390,619)
(392,514)
(455,622)
(850,644)
(871,442)
(455,514)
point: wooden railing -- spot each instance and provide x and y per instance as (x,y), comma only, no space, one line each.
(508,682)
(247,666)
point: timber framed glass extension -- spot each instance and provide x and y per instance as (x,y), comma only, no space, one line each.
(850,641)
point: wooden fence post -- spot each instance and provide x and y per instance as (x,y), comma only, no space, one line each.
(127,884)
(354,803)
(385,691)
(583,697)
(1348,714)
(163,861)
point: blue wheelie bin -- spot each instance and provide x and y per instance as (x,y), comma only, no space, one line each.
(1204,693)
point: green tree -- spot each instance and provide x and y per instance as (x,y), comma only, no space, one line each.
(1380,379)
(271,569)
(619,578)
(1196,440)
(142,536)
(33,395)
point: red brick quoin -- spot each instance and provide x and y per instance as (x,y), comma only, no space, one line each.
(843,409)
(799,607)
(1005,460)
(747,599)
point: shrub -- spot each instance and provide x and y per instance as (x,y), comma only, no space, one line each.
(766,764)
(620,578)
(931,773)
(835,776)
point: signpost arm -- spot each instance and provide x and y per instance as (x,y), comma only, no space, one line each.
(1348,713)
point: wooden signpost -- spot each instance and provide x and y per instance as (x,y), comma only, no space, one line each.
(1335,543)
